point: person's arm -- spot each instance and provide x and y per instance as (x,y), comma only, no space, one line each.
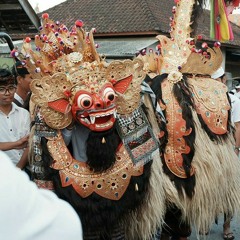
(31,213)
(19,144)
(23,160)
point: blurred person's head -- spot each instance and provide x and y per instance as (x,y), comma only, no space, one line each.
(219,75)
(22,77)
(237,87)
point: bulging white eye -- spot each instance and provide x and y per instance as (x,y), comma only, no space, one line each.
(84,101)
(109,94)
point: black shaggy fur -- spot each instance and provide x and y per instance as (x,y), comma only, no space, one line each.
(101,156)
(97,213)
(46,159)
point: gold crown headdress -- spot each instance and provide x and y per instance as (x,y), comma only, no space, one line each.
(58,49)
(179,53)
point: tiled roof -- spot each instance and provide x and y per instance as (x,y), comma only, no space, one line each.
(111,16)
(127,17)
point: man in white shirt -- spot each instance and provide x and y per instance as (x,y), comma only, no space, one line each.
(29,213)
(15,122)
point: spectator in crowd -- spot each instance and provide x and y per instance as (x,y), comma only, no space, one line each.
(237,87)
(15,122)
(31,213)
(23,80)
(219,75)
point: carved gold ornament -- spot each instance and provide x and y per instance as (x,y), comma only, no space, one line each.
(111,184)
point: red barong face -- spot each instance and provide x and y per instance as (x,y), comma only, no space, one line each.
(95,109)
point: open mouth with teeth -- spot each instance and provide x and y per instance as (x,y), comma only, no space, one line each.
(98,121)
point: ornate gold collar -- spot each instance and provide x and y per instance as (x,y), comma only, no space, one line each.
(110,184)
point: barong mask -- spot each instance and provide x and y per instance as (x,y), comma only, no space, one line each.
(72,82)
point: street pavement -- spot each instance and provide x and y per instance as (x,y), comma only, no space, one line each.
(216,232)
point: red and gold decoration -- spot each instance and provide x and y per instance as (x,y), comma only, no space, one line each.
(179,56)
